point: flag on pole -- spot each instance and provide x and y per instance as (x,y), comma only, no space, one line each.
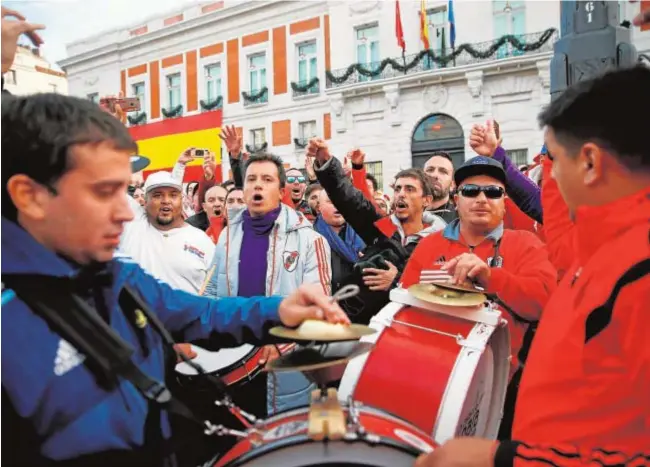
(424,27)
(399,32)
(452,23)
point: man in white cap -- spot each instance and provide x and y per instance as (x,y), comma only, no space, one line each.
(160,240)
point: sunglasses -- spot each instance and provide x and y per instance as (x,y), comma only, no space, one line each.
(472,191)
(296,179)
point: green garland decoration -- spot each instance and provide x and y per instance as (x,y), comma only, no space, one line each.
(172,112)
(215,104)
(443,59)
(299,143)
(138,118)
(307,87)
(253,149)
(255,97)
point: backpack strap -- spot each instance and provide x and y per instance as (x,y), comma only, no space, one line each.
(108,356)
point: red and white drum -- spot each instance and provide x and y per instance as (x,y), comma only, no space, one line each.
(233,366)
(444,369)
(374,438)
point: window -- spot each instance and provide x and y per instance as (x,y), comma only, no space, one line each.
(173,90)
(307,65)
(94,97)
(11,77)
(138,90)
(368,48)
(376,170)
(212,82)
(258,137)
(509,18)
(306,131)
(518,156)
(257,75)
(437,26)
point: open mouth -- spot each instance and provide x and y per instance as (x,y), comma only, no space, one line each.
(166,211)
(400,205)
(296,192)
(217,212)
(257,197)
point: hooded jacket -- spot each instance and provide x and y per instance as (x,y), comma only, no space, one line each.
(58,410)
(297,255)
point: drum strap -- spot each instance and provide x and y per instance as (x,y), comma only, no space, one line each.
(108,356)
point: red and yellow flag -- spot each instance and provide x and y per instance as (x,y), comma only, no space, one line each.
(424,27)
(162,142)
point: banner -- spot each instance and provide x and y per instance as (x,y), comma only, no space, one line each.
(162,142)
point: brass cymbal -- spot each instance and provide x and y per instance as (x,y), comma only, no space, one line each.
(444,296)
(319,357)
(322,331)
(460,287)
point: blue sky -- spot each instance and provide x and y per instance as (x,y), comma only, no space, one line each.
(70,20)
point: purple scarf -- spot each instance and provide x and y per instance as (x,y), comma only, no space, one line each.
(254,249)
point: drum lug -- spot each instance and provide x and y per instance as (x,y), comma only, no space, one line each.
(472,344)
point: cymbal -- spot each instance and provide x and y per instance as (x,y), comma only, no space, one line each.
(444,296)
(319,357)
(322,331)
(460,287)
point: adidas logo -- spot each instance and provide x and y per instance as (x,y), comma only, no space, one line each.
(67,357)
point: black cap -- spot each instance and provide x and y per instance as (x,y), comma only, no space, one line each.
(139,163)
(480,165)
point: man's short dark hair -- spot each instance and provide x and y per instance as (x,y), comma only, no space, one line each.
(601,110)
(266,157)
(444,154)
(39,130)
(228,185)
(418,174)
(311,188)
(373,180)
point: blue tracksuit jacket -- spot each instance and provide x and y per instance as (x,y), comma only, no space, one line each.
(44,377)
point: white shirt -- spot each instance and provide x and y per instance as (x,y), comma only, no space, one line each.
(180,257)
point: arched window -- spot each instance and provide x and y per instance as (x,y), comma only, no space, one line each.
(437,132)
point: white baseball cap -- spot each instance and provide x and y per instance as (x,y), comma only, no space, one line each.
(161,179)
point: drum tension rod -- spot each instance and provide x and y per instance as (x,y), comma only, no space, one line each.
(386,322)
(246,419)
(220,430)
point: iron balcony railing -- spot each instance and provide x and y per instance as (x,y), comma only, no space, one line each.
(534,43)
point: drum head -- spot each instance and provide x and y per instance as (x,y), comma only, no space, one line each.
(215,362)
(302,452)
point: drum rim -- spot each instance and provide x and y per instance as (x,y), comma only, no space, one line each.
(294,440)
(233,366)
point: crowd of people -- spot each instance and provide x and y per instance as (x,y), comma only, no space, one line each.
(564,242)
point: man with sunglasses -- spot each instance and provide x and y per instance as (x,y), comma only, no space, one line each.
(476,248)
(296,186)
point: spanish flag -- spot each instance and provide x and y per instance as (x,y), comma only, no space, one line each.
(424,27)
(162,142)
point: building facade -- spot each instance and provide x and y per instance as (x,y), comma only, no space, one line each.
(31,73)
(284,71)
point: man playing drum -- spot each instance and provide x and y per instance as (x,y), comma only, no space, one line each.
(475,247)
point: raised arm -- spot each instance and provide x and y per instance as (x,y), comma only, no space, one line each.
(349,201)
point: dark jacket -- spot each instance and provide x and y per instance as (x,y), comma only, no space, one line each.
(200,221)
(447,212)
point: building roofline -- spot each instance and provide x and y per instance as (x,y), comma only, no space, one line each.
(174,29)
